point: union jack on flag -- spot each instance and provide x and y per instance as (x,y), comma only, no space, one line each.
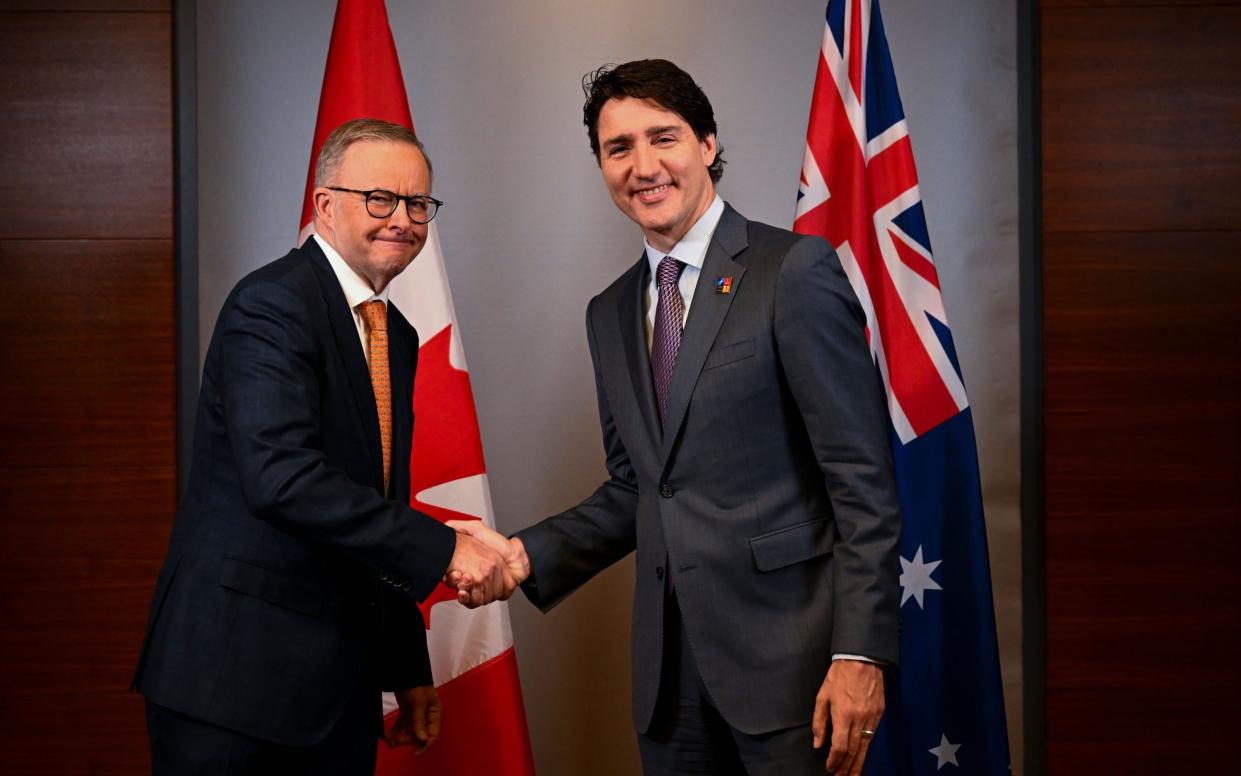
(859,190)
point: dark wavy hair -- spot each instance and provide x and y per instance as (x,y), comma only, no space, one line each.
(659,81)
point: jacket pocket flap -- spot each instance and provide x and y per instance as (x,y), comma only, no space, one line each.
(727,354)
(792,544)
(270,586)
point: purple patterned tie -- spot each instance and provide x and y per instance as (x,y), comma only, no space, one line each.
(666,340)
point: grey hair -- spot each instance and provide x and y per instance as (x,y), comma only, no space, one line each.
(356,131)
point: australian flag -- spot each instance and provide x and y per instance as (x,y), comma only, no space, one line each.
(859,190)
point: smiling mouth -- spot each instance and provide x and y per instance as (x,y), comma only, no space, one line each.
(652,194)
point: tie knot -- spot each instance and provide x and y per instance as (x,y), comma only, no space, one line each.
(668,272)
(376,315)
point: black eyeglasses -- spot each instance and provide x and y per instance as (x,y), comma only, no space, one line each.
(381,203)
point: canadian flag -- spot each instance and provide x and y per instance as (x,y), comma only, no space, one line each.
(472,656)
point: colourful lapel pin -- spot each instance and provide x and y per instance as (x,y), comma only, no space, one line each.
(724,285)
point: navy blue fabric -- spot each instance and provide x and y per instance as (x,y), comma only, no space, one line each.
(290,581)
(184,746)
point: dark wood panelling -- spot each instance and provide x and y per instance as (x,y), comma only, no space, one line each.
(77,580)
(103,512)
(1143,446)
(86,5)
(1141,115)
(87,457)
(1141,337)
(1131,3)
(1142,319)
(1142,374)
(86,559)
(86,140)
(87,348)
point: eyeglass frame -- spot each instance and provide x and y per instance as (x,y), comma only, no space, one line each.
(396,200)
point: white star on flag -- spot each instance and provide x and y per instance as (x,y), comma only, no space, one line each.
(916,578)
(945,753)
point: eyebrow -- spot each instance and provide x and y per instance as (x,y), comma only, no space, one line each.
(611,141)
(673,128)
(650,132)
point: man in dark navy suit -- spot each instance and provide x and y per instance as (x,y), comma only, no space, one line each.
(288,599)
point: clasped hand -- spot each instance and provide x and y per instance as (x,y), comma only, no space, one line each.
(486,566)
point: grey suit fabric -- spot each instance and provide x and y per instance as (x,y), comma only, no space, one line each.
(767,496)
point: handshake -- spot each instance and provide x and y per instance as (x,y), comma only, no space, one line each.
(485,566)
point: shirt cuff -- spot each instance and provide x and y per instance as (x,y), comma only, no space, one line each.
(862,658)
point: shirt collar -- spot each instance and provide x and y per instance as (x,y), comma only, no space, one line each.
(692,248)
(356,289)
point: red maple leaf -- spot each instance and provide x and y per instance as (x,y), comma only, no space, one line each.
(447,445)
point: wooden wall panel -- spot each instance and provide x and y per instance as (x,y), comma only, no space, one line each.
(1131,3)
(87,352)
(82,548)
(86,141)
(1172,298)
(1141,113)
(1141,108)
(1143,447)
(113,6)
(87,457)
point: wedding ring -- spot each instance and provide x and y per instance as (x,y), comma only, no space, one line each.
(867,733)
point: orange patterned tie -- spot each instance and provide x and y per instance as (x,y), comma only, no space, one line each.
(376,315)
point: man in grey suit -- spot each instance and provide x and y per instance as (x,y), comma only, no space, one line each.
(748,457)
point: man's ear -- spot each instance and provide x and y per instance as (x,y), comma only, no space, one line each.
(709,150)
(324,204)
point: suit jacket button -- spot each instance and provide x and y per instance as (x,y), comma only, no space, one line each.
(659,573)
(665,490)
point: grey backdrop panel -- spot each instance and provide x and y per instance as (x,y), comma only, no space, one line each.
(529,234)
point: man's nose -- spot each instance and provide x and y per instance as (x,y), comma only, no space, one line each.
(645,162)
(400,217)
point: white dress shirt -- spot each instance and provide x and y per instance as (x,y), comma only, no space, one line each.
(691,251)
(357,291)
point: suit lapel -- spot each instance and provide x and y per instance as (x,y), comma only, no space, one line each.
(631,303)
(706,315)
(345,332)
